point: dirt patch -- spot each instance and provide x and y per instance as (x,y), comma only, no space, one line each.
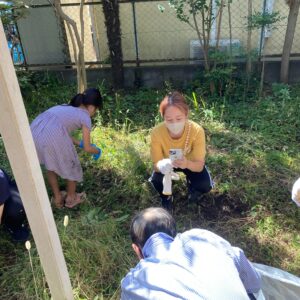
(212,206)
(222,206)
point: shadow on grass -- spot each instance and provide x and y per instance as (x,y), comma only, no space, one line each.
(251,183)
(233,220)
(250,205)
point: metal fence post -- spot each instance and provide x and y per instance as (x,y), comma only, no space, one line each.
(135,35)
(262,33)
(137,75)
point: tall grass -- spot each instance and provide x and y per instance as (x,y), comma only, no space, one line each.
(253,157)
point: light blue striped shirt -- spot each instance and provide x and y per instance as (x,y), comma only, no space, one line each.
(197,264)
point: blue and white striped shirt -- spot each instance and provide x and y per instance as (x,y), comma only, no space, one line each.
(196,264)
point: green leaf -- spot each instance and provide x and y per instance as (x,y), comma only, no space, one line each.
(123,218)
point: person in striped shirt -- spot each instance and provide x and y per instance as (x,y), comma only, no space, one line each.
(196,264)
(52,135)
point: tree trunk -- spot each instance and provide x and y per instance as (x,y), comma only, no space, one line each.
(113,31)
(64,38)
(230,46)
(202,42)
(288,41)
(219,18)
(220,13)
(79,59)
(248,51)
(83,83)
(212,86)
(262,75)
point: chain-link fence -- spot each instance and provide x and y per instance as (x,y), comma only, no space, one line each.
(151,32)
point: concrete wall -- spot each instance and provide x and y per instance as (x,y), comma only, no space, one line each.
(179,75)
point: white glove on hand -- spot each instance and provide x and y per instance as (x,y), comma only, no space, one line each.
(165,166)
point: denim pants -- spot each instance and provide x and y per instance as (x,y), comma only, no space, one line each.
(196,181)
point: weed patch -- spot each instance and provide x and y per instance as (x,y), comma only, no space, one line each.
(253,156)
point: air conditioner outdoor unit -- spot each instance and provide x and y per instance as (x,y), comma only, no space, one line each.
(196,51)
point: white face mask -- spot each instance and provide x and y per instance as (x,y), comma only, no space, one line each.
(175,128)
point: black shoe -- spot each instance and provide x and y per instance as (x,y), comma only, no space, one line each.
(167,202)
(18,234)
(194,197)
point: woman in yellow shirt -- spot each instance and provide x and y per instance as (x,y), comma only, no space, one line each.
(185,139)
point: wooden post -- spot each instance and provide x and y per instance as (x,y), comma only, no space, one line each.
(19,145)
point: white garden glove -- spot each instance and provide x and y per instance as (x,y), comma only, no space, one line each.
(296,192)
(165,166)
(167,182)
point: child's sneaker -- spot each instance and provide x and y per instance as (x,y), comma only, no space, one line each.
(18,233)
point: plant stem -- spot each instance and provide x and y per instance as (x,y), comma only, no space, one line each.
(34,279)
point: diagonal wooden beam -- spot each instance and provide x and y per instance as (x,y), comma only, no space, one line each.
(19,145)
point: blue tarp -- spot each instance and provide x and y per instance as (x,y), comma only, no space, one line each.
(18,57)
(277,284)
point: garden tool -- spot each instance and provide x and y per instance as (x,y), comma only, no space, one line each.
(296,192)
(167,182)
(95,156)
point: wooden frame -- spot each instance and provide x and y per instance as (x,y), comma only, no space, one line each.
(19,145)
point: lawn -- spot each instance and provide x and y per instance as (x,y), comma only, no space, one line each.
(253,155)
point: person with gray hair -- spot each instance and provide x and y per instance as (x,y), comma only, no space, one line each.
(196,264)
